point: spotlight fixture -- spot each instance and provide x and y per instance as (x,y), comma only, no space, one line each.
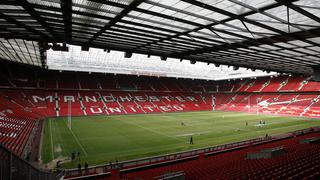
(64,48)
(107,50)
(163,58)
(46,46)
(55,47)
(127,54)
(58,47)
(84,48)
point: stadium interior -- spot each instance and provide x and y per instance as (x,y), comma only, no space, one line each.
(159,89)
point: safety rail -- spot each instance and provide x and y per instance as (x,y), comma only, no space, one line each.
(171,176)
(124,166)
(13,167)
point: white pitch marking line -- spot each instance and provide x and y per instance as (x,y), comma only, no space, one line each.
(85,153)
(51,139)
(153,130)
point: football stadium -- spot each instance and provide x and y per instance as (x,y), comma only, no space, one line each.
(159,89)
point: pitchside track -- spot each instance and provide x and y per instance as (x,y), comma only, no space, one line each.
(100,139)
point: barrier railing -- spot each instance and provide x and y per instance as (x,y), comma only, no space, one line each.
(13,167)
(156,160)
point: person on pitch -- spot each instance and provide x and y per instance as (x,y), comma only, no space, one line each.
(191,140)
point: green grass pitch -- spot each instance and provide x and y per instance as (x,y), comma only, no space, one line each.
(100,139)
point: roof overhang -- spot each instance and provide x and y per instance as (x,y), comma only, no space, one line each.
(274,35)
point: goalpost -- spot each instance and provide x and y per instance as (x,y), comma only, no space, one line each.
(213,103)
(69,114)
(258,100)
(249,104)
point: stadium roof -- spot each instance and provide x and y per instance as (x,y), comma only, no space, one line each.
(277,35)
(98,60)
(22,51)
